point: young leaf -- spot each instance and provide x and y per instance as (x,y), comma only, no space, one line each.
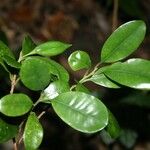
(54,89)
(79,60)
(123,41)
(81,111)
(15,105)
(134,73)
(27,45)
(113,127)
(33,133)
(51,48)
(35,73)
(7,131)
(100,79)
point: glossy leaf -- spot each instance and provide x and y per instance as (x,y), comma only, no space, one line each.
(7,131)
(36,73)
(81,111)
(11,62)
(27,45)
(51,48)
(61,72)
(79,60)
(113,127)
(54,89)
(15,104)
(33,133)
(100,79)
(123,41)
(134,73)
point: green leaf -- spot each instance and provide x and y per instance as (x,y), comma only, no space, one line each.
(80,87)
(79,60)
(100,79)
(15,104)
(33,133)
(54,89)
(27,45)
(11,62)
(123,41)
(61,72)
(35,73)
(51,48)
(4,66)
(5,51)
(113,127)
(81,111)
(7,131)
(134,73)
(7,56)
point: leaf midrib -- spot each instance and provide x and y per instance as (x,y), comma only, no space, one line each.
(95,118)
(127,72)
(122,41)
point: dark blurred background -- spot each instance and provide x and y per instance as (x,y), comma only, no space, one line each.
(86,24)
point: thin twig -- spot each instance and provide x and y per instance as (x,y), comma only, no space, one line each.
(41,114)
(72,87)
(15,144)
(19,138)
(85,77)
(115,15)
(86,73)
(13,83)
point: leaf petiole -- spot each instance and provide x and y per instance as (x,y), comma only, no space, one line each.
(87,76)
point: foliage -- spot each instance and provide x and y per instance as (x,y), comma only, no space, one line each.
(74,104)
